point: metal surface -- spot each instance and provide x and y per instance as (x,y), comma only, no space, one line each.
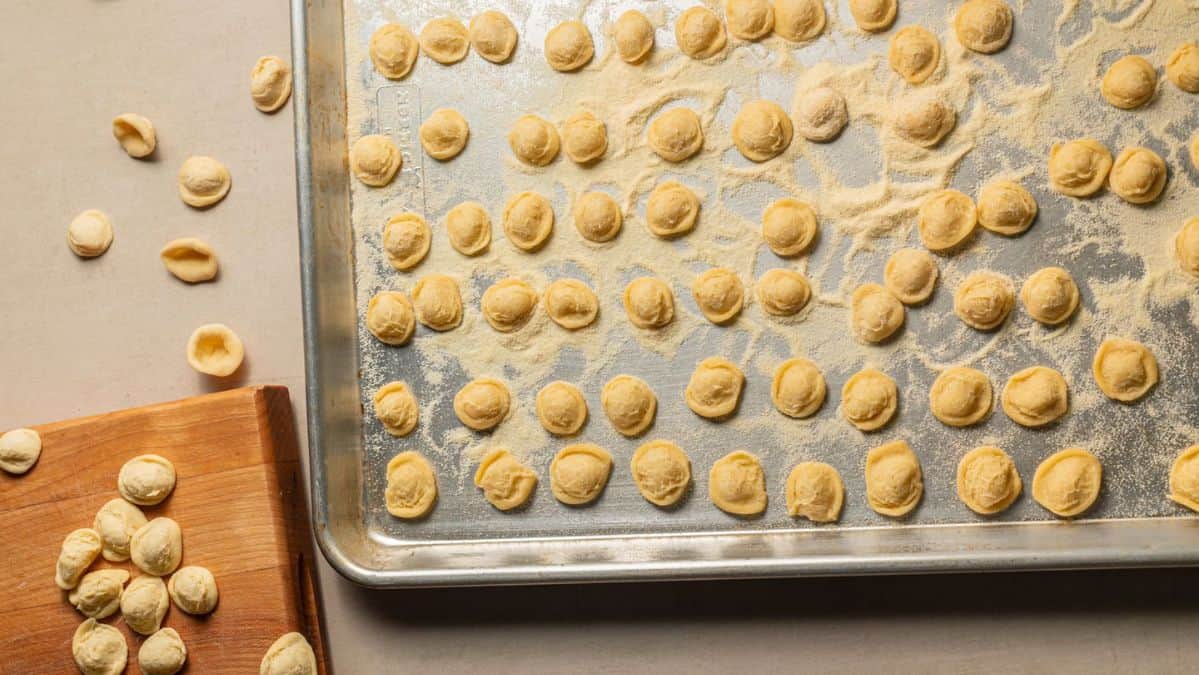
(623,538)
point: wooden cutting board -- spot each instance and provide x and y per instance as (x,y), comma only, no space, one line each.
(238,500)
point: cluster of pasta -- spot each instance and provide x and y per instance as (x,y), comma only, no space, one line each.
(1066,483)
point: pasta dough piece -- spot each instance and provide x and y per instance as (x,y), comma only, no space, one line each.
(946,219)
(571,304)
(193,589)
(983,26)
(873,16)
(914,54)
(1067,483)
(662,472)
(719,294)
(568,46)
(396,408)
(163,653)
(1079,168)
(911,275)
(923,119)
(1184,478)
(389,317)
(203,181)
(984,300)
(869,399)
(444,134)
(444,40)
(1183,67)
(584,137)
(79,551)
(894,483)
(289,655)
(1125,370)
(146,480)
(783,292)
(629,404)
(508,304)
(528,221)
(438,302)
(700,33)
(392,49)
(493,36)
(406,240)
(1036,396)
(1129,82)
(157,547)
(798,388)
(99,649)
(961,397)
(98,595)
(144,603)
(988,481)
(814,491)
(506,483)
(214,349)
(798,20)
(1186,247)
(1138,175)
(90,234)
(19,450)
(135,134)
(534,141)
(715,388)
(821,114)
(634,36)
(1006,208)
(649,302)
(875,314)
(270,83)
(411,486)
(483,403)
(676,134)
(579,473)
(749,19)
(671,210)
(375,159)
(597,217)
(561,408)
(469,228)
(789,226)
(737,485)
(189,260)
(1050,295)
(762,130)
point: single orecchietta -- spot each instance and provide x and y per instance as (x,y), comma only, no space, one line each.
(983,26)
(163,653)
(483,403)
(799,20)
(875,314)
(714,390)
(116,522)
(1125,370)
(99,649)
(629,404)
(961,397)
(375,160)
(203,181)
(469,228)
(289,655)
(798,388)
(270,83)
(528,221)
(444,40)
(190,260)
(19,450)
(509,304)
(1036,396)
(869,399)
(79,550)
(579,473)
(406,240)
(411,486)
(492,35)
(789,226)
(157,547)
(390,317)
(214,349)
(438,302)
(676,134)
(144,604)
(505,482)
(1129,82)
(396,408)
(749,19)
(987,480)
(699,33)
(146,480)
(193,589)
(737,484)
(634,36)
(135,134)
(561,408)
(662,472)
(584,137)
(719,294)
(894,482)
(597,217)
(98,594)
(1079,168)
(1067,483)
(444,133)
(90,234)
(393,50)
(672,210)
(568,46)
(649,303)
(571,304)
(814,491)
(783,292)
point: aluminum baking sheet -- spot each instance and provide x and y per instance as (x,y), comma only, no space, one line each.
(622,536)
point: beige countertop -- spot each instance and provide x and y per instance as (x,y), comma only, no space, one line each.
(81,337)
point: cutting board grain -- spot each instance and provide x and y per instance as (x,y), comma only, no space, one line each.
(238,500)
